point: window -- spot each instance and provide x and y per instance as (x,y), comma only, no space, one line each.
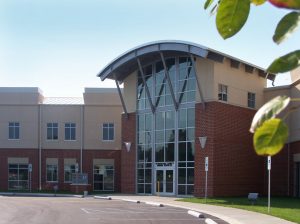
(108,130)
(103,177)
(13,130)
(251,100)
(70,131)
(17,176)
(52,131)
(52,173)
(222,94)
(69,169)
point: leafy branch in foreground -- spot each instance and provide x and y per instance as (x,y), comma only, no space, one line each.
(231,16)
(270,133)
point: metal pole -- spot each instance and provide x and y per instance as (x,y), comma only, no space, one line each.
(206,172)
(269,183)
(206,186)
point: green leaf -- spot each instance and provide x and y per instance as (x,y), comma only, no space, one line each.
(288,4)
(285,63)
(270,138)
(231,16)
(269,110)
(286,26)
(258,2)
(208,3)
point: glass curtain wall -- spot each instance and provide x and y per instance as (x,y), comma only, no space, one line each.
(167,136)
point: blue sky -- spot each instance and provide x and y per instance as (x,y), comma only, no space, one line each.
(60,46)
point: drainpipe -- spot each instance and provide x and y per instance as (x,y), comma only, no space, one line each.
(40,147)
(81,135)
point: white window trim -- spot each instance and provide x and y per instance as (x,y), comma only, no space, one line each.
(52,140)
(56,181)
(70,140)
(113,130)
(14,139)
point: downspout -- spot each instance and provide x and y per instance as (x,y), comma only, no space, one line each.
(40,147)
(81,135)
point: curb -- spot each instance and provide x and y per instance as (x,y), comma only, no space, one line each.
(37,194)
(129,200)
(102,197)
(154,203)
(195,214)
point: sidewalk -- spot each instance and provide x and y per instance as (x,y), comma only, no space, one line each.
(230,215)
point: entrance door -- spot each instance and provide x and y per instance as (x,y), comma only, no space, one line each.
(164,181)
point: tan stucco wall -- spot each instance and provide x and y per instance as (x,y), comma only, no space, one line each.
(60,114)
(20,96)
(295,74)
(130,92)
(94,117)
(105,96)
(27,117)
(239,83)
(205,72)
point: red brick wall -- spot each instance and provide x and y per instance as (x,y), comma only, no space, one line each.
(234,168)
(89,155)
(294,149)
(61,154)
(128,159)
(31,154)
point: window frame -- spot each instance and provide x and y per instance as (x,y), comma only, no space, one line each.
(52,181)
(223,92)
(72,171)
(14,125)
(52,131)
(104,129)
(251,100)
(70,126)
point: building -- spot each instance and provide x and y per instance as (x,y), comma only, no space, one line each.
(178,94)
(59,136)
(179,127)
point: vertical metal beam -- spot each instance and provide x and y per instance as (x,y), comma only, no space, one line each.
(197,81)
(146,86)
(169,81)
(121,97)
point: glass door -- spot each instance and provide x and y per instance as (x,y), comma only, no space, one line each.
(164,182)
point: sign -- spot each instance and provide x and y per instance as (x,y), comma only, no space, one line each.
(30,167)
(79,178)
(269,162)
(202,141)
(206,163)
(76,168)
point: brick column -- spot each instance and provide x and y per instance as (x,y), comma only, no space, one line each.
(128,159)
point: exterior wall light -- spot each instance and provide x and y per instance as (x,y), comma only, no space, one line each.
(128,146)
(202,141)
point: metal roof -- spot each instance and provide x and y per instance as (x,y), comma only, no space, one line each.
(126,63)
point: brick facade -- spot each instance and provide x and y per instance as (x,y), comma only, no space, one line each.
(128,163)
(61,154)
(234,168)
(31,154)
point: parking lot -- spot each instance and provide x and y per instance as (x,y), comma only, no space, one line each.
(35,210)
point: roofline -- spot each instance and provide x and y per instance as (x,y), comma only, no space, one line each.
(162,45)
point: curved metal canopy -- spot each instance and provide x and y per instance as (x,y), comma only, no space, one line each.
(126,63)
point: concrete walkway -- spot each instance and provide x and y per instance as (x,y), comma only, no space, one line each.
(230,215)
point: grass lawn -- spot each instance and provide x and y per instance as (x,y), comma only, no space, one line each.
(282,207)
